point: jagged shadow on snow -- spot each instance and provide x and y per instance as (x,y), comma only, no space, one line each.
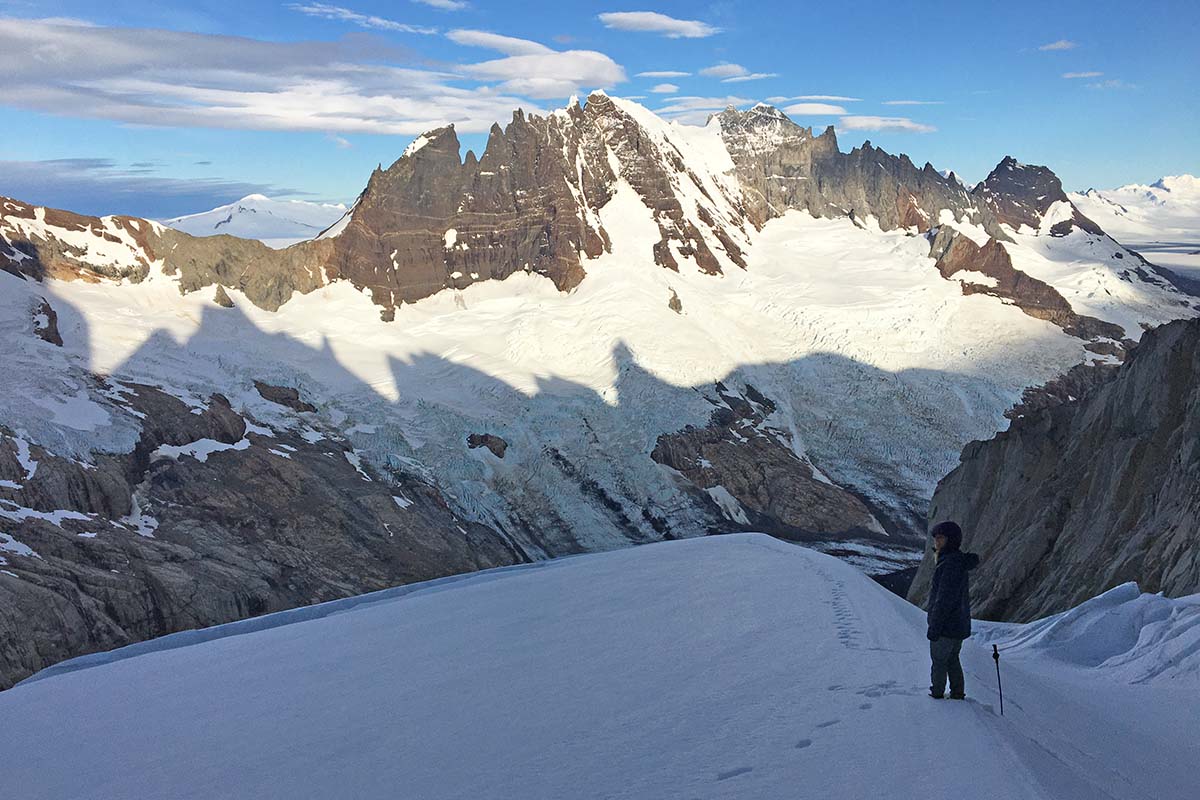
(577,475)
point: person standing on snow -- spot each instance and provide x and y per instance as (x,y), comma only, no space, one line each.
(949,610)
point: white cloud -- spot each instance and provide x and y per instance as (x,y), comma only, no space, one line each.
(869,123)
(814,109)
(913,102)
(653,22)
(445,5)
(666,73)
(690,110)
(724,70)
(1082,74)
(342,142)
(175,79)
(551,74)
(326,11)
(1112,83)
(1061,44)
(665,88)
(778,99)
(509,45)
(754,76)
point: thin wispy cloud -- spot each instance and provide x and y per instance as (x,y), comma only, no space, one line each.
(169,78)
(665,73)
(814,109)
(341,142)
(870,123)
(1112,83)
(326,11)
(444,5)
(913,102)
(753,76)
(724,70)
(534,70)
(654,22)
(1082,74)
(509,45)
(665,88)
(694,110)
(1061,44)
(104,186)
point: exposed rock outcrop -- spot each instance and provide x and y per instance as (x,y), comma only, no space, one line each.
(221,297)
(284,396)
(956,253)
(754,479)
(1085,495)
(45,323)
(494,443)
(204,523)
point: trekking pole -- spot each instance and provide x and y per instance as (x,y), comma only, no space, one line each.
(996,658)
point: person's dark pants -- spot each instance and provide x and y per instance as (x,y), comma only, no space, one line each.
(943,653)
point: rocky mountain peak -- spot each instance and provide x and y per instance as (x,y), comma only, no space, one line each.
(1022,194)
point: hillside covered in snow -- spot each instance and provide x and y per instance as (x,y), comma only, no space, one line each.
(724,667)
(604,330)
(1161,220)
(276,223)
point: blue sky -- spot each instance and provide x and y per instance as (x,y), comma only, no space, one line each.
(168,108)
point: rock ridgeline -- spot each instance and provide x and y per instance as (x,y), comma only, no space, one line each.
(781,165)
(1084,495)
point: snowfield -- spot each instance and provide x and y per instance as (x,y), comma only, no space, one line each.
(724,667)
(1161,221)
(881,369)
(276,223)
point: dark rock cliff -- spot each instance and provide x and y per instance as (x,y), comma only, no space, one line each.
(208,519)
(1081,496)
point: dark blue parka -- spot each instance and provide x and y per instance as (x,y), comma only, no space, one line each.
(950,595)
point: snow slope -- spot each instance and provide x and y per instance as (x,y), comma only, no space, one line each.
(852,333)
(1161,221)
(723,667)
(276,223)
(881,370)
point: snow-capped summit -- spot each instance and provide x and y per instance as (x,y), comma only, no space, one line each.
(276,223)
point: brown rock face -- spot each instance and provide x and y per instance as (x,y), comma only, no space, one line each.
(740,459)
(1020,194)
(44,242)
(45,323)
(957,253)
(284,396)
(154,541)
(531,203)
(1082,496)
(492,442)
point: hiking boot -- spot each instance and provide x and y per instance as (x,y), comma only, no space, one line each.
(958,697)
(936,695)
